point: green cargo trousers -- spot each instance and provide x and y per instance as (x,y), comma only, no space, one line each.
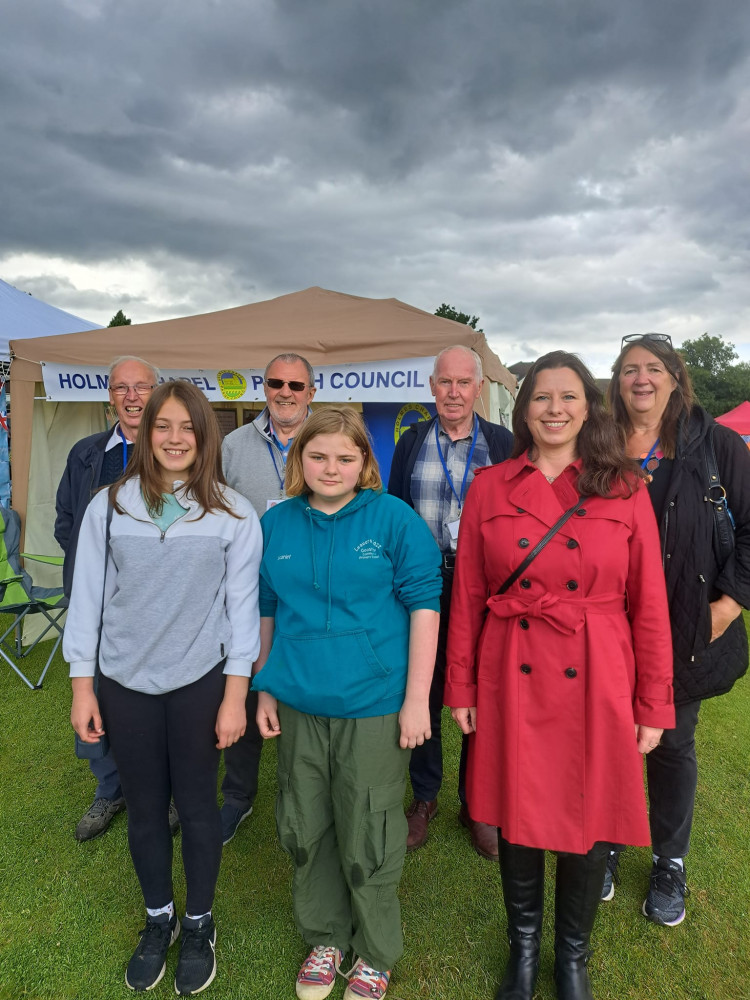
(340,817)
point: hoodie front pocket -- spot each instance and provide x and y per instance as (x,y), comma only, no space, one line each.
(334,674)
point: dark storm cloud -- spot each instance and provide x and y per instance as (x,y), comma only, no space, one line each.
(558,168)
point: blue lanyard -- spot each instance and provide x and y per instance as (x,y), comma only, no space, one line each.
(275,466)
(647,459)
(124,447)
(459,497)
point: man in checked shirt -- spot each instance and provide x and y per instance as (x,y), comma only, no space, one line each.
(432,468)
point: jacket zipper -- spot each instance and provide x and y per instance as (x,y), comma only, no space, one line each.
(143,520)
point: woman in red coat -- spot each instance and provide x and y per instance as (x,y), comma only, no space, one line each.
(565,679)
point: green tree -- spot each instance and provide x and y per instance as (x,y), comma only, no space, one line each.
(119,319)
(719,384)
(449,312)
(708,353)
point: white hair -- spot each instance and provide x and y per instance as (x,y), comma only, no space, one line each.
(141,361)
(290,358)
(466,350)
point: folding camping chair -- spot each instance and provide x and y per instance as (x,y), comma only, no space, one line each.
(20,598)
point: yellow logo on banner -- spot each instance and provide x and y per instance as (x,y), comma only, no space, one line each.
(409,408)
(231,384)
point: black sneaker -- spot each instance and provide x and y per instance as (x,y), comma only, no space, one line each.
(665,903)
(146,967)
(196,966)
(231,817)
(611,876)
(97,818)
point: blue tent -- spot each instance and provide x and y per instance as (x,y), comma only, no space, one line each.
(23,316)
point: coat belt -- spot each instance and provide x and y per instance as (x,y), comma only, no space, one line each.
(567,615)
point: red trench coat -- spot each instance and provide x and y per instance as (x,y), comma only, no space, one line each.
(576,651)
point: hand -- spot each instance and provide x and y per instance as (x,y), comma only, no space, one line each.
(230,722)
(723,613)
(414,720)
(267,716)
(465,719)
(84,713)
(648,738)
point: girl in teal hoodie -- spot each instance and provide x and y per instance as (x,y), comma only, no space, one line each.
(350,587)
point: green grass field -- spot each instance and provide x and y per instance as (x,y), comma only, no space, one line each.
(69,913)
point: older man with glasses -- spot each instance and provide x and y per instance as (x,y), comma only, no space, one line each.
(254,458)
(94,462)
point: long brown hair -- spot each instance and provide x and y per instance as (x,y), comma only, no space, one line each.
(332,420)
(206,479)
(680,402)
(607,471)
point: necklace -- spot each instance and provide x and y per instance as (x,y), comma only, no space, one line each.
(550,479)
(650,461)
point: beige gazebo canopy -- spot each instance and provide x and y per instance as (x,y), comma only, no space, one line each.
(326,327)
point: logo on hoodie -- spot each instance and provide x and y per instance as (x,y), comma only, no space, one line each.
(368,549)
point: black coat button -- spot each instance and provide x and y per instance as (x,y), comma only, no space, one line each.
(525,668)
(525,583)
(581,512)
(571,585)
(571,672)
(523,623)
(572,543)
(523,543)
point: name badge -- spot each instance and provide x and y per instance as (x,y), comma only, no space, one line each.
(272,503)
(453,527)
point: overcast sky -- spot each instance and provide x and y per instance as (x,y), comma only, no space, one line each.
(570,171)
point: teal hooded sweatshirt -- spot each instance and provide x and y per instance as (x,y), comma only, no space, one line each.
(341,588)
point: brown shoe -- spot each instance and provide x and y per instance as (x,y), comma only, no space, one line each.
(418,816)
(483,836)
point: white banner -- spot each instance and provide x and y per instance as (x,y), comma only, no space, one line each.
(403,380)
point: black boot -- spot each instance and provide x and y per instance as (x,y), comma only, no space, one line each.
(522,871)
(578,889)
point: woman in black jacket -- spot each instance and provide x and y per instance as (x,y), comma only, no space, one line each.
(708,582)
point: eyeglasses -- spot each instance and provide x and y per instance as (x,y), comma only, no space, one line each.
(635,338)
(279,383)
(141,388)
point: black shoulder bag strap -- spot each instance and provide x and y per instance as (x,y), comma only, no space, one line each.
(717,497)
(540,545)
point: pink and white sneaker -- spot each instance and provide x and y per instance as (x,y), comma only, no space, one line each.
(316,978)
(366,983)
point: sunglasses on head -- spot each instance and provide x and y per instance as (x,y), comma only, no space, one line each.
(636,338)
(279,383)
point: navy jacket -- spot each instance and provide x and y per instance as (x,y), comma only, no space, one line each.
(499,440)
(79,483)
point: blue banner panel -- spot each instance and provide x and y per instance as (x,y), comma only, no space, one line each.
(386,422)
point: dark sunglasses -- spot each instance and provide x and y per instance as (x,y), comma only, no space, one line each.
(279,383)
(635,338)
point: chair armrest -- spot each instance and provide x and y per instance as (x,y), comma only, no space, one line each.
(51,560)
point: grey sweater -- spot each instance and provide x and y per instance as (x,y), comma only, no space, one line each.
(176,602)
(248,456)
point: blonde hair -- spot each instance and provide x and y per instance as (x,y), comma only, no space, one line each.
(332,420)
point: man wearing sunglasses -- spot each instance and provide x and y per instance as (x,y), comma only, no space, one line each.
(254,459)
(96,461)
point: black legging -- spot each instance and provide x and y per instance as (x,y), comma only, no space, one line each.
(165,746)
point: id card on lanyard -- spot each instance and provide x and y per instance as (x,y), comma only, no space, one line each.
(279,475)
(453,526)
